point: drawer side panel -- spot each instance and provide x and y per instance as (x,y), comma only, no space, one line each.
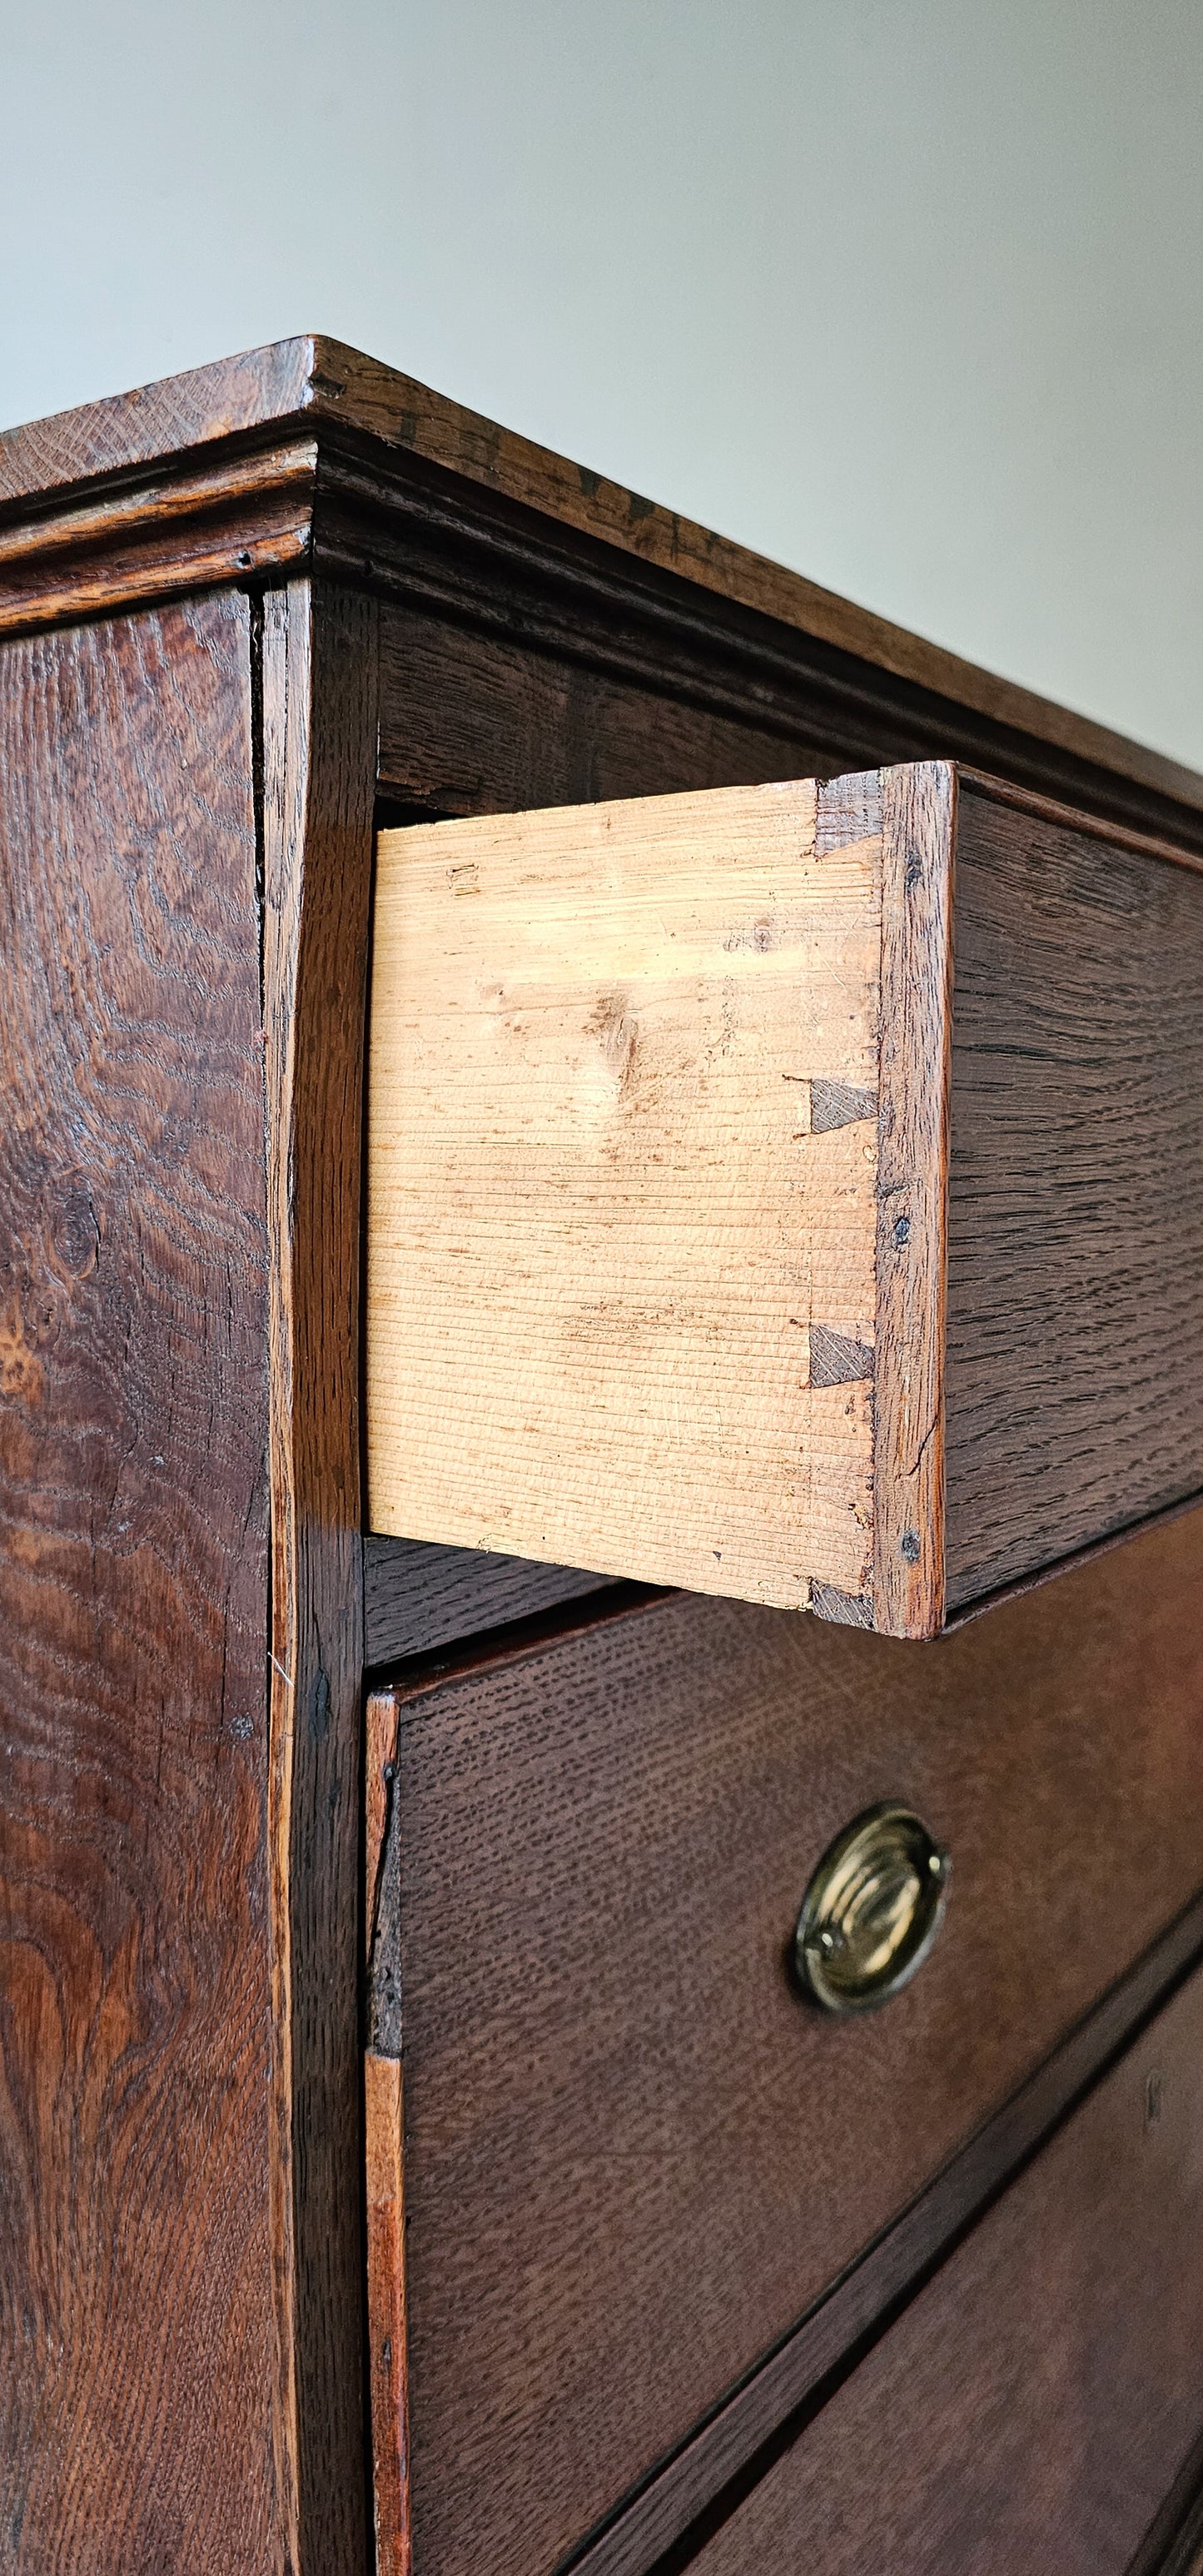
(622,1153)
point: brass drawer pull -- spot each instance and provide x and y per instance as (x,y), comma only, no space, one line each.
(871,1911)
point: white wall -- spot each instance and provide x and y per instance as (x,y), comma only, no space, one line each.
(905,295)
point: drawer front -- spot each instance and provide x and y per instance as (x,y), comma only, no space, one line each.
(1033,2406)
(1074,1383)
(786,1191)
(633,2154)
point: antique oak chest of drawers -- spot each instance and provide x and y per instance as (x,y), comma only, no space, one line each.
(602,1358)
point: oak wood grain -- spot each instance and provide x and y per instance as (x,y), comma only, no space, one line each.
(601,1851)
(387,2349)
(182,532)
(614,1270)
(416,1597)
(918,820)
(173,416)
(319,726)
(1173,2543)
(1075,1242)
(423,538)
(409,416)
(477,721)
(733,2447)
(136,2368)
(314,380)
(1034,2403)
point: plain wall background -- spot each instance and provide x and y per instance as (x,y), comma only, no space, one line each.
(906,296)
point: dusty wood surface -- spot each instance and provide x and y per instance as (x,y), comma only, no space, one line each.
(319,713)
(620,1274)
(1032,2407)
(316,381)
(1075,1247)
(602,1849)
(136,2372)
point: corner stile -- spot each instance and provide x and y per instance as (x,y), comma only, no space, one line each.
(318,720)
(919,806)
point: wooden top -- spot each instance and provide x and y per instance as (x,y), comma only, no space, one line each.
(314,383)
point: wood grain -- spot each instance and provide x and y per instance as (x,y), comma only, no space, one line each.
(174,416)
(918,818)
(319,724)
(1075,1244)
(314,381)
(384,2165)
(475,719)
(732,2447)
(1032,2406)
(387,2376)
(601,1851)
(593,1236)
(135,2003)
(179,534)
(434,547)
(409,416)
(416,1597)
(602,1228)
(1173,2543)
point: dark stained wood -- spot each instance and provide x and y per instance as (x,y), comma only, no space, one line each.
(735,2443)
(136,2340)
(428,540)
(918,826)
(417,1597)
(175,416)
(182,2194)
(316,383)
(1173,2543)
(1033,2405)
(1074,818)
(239,518)
(319,726)
(1075,1230)
(601,1850)
(523,726)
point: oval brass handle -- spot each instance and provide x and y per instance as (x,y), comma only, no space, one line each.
(872,1910)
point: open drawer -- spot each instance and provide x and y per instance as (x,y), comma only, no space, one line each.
(734,1224)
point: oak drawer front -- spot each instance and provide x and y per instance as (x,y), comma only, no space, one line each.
(1033,2406)
(633,2155)
(789,1192)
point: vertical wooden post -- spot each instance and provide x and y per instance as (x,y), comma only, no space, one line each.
(185,855)
(135,2003)
(319,741)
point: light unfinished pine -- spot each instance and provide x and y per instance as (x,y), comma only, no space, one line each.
(623,1153)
